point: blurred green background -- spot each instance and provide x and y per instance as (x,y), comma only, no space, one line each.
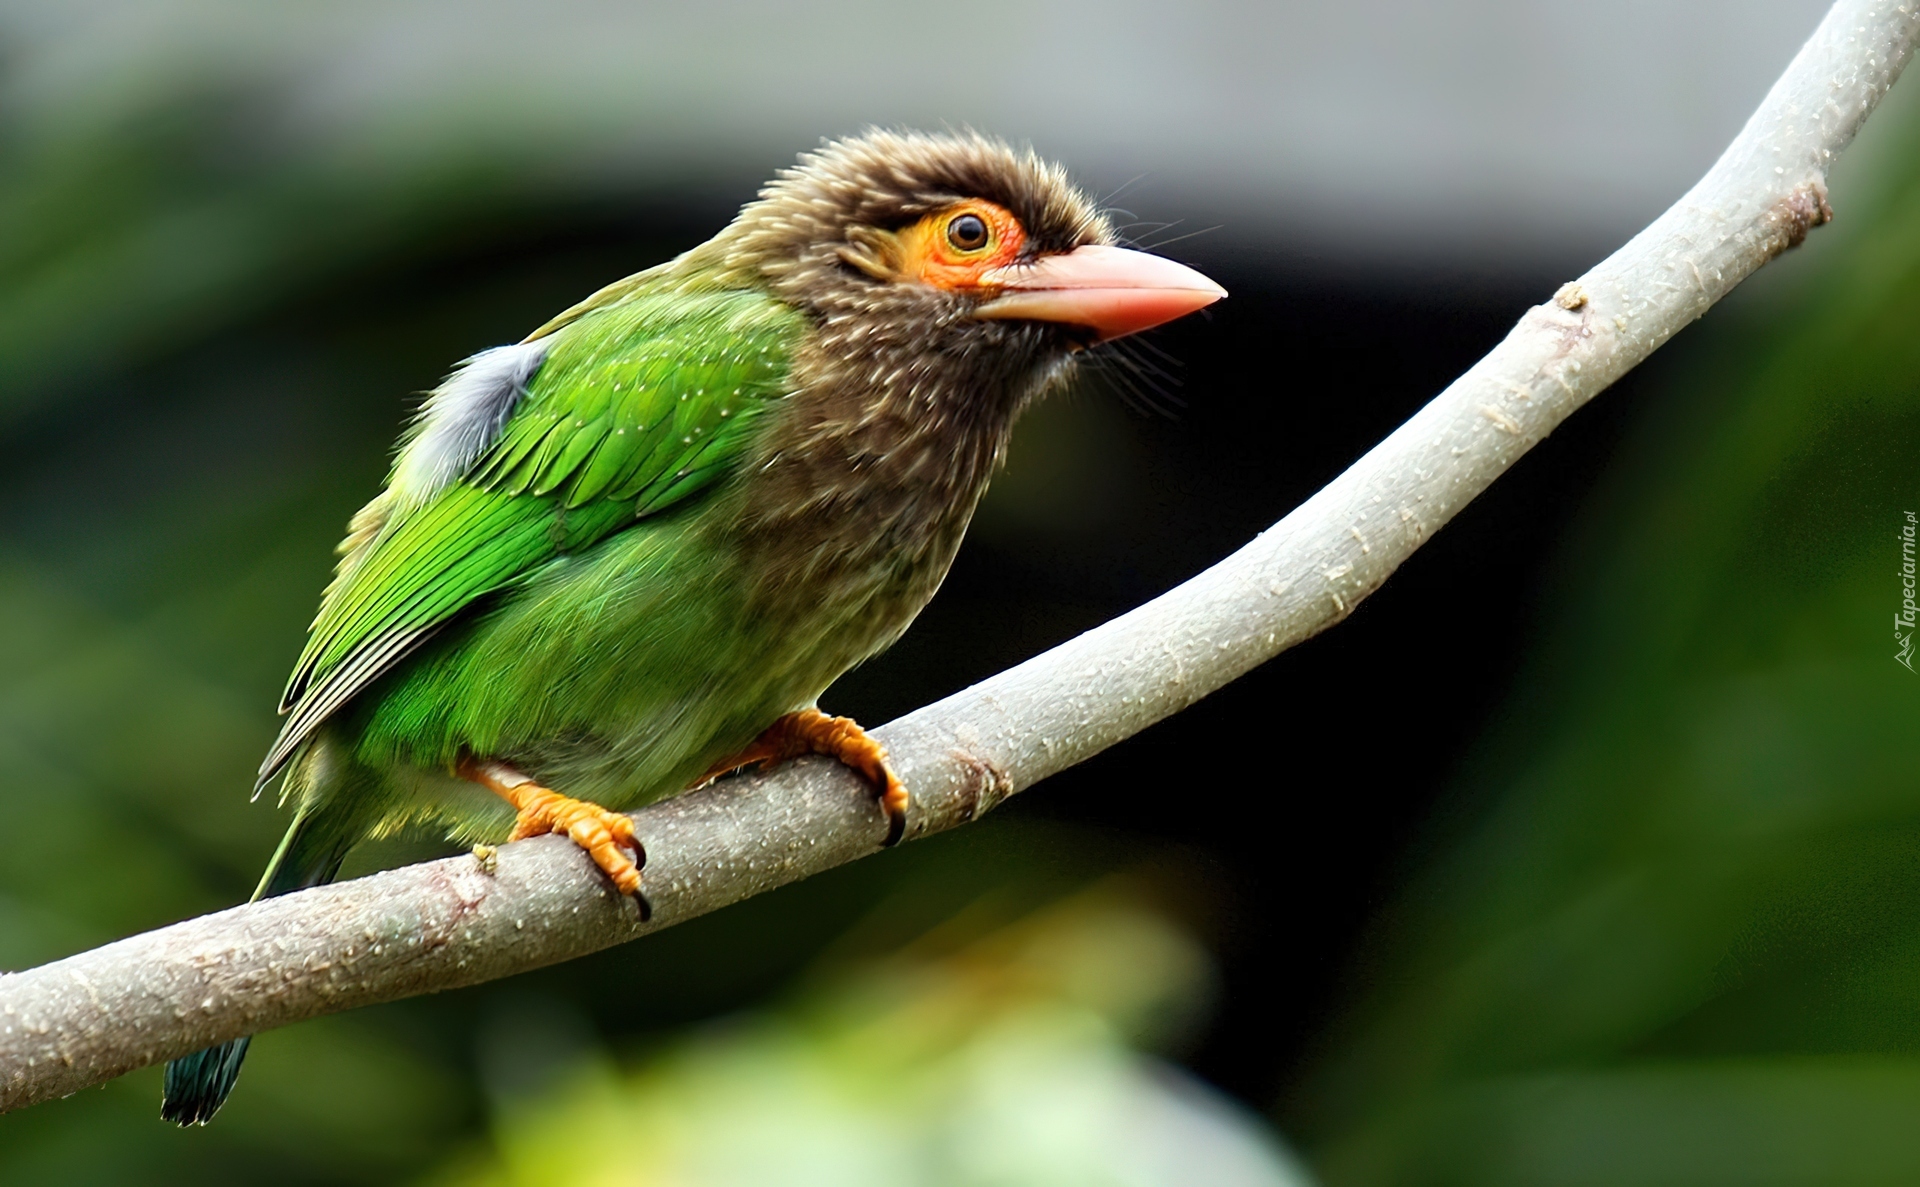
(1587,852)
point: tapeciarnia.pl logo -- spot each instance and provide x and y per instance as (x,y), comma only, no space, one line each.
(1903,621)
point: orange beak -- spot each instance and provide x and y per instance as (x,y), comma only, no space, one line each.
(1111,290)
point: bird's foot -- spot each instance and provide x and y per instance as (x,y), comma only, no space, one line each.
(812,732)
(606,835)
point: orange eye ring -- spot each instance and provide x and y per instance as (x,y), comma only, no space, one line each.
(955,247)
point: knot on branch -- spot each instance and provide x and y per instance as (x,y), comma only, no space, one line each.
(1799,212)
(988,787)
(1570,296)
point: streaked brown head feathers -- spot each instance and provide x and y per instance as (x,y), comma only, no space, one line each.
(887,181)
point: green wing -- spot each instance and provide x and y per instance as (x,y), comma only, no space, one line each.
(636,408)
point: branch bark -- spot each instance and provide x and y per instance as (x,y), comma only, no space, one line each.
(424,928)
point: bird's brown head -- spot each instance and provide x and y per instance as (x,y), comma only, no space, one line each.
(950,279)
(955,248)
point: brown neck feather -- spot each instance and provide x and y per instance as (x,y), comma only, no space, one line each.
(890,439)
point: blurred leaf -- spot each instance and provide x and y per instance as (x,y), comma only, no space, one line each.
(1002,1061)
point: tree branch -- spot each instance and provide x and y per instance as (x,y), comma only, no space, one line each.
(424,928)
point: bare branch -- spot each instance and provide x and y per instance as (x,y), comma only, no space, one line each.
(443,924)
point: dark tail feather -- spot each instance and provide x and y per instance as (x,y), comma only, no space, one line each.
(198,1084)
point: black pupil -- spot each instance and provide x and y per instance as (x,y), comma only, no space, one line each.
(967,232)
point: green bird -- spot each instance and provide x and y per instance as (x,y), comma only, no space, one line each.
(629,553)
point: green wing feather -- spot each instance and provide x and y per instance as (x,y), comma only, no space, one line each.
(638,407)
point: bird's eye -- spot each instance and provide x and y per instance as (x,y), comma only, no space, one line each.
(968,232)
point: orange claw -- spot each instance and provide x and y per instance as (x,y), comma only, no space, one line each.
(603,833)
(812,732)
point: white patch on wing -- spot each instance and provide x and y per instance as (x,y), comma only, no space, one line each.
(463,417)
